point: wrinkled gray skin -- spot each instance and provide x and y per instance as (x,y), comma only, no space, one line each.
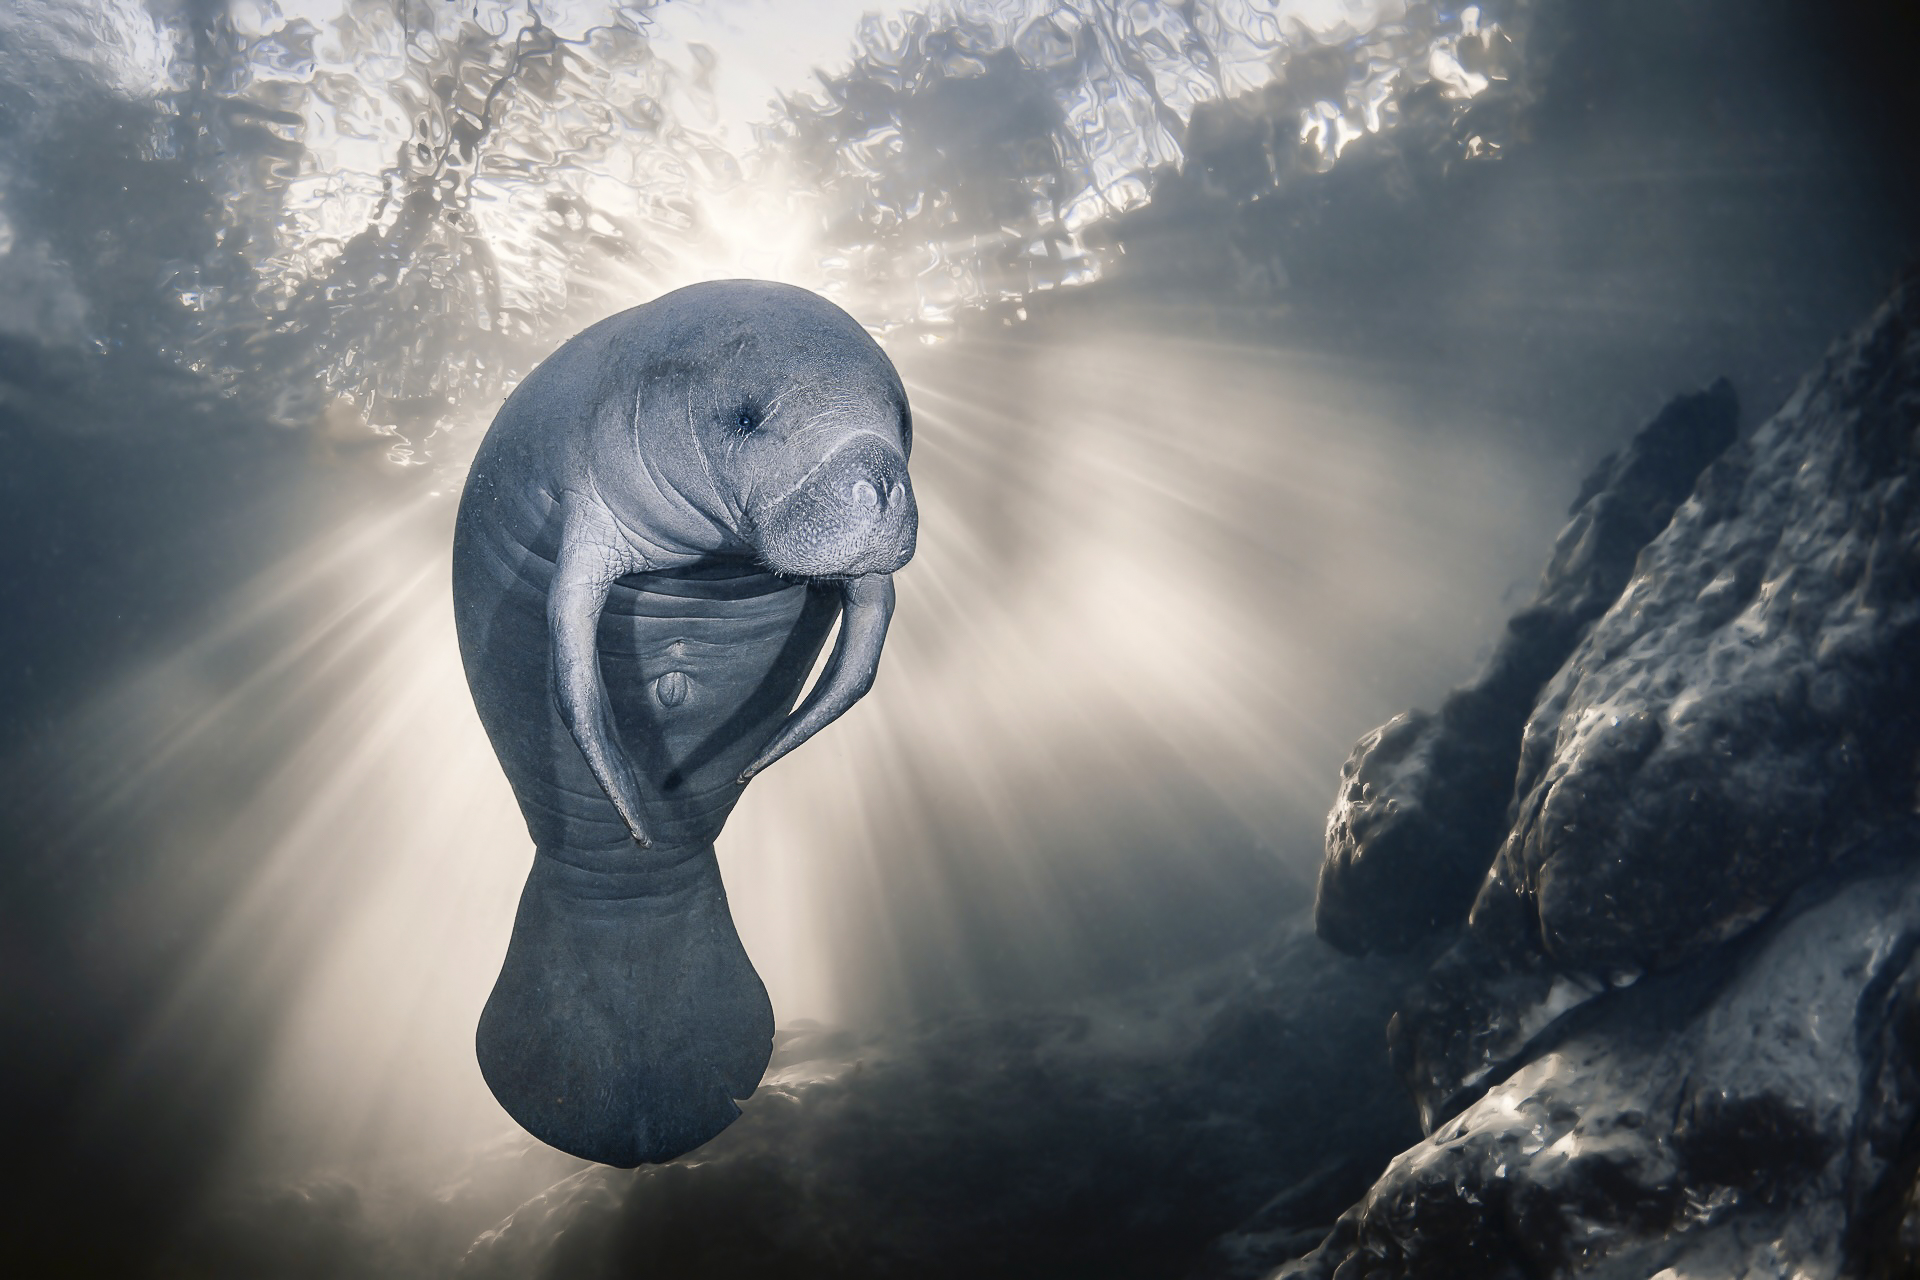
(657,534)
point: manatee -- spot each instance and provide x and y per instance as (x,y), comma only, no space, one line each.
(658,533)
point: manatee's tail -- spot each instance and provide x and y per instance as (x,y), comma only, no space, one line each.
(627,1018)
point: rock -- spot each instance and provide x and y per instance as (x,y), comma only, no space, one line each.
(1290,1224)
(1424,798)
(1744,711)
(1701,1126)
(1473,1019)
(1680,1034)
(1677,778)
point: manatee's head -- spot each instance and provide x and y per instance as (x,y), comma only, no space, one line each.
(801,425)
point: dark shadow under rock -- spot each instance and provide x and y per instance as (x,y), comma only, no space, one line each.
(1424,799)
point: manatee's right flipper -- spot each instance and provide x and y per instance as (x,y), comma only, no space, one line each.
(591,557)
(627,1018)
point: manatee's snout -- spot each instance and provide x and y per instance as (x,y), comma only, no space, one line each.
(853,514)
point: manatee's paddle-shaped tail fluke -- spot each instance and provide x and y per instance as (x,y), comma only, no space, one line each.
(627,1018)
(867,608)
(590,560)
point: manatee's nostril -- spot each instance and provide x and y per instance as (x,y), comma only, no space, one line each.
(865,496)
(895,494)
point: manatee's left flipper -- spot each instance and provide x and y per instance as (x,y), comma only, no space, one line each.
(592,555)
(866,609)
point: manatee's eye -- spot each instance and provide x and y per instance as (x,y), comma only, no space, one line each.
(745,420)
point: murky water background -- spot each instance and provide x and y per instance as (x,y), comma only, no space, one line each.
(1255,347)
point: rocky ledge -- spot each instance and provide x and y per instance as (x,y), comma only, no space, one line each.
(1664,860)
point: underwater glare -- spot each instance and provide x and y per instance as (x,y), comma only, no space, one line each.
(1255,348)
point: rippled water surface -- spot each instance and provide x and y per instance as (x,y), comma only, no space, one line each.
(1255,347)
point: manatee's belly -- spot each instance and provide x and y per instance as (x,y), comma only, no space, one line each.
(701,667)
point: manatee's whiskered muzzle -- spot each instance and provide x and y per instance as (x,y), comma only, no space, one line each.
(853,514)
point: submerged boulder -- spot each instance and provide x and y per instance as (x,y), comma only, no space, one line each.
(1679,1033)
(1423,799)
(1750,1118)
(1744,711)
